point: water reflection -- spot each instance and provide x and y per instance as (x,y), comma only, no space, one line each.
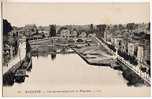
(53,56)
(53,50)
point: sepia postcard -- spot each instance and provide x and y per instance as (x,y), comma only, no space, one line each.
(76,49)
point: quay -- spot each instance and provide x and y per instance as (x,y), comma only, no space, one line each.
(99,63)
(121,60)
(22,60)
(17,60)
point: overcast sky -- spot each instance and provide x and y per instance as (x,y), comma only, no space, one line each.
(19,14)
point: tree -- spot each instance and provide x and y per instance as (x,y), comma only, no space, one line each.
(131,26)
(91,28)
(148,26)
(121,27)
(100,30)
(28,47)
(52,30)
(6,27)
(43,35)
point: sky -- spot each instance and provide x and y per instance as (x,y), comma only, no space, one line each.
(19,14)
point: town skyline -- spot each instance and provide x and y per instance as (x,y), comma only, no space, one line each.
(62,25)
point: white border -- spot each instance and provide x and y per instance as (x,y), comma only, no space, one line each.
(72,1)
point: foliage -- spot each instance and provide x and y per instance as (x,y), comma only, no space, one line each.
(6,27)
(52,30)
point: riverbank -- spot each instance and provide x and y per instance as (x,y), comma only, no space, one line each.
(94,55)
(16,60)
(132,78)
(24,61)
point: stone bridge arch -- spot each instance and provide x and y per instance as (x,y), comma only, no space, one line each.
(70,28)
(61,28)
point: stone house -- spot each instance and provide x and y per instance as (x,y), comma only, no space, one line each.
(65,33)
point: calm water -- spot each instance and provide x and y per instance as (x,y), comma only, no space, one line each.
(68,71)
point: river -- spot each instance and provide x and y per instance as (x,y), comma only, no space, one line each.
(69,72)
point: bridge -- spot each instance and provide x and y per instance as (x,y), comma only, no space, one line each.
(58,41)
(135,69)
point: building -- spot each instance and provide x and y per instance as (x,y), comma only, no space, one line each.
(45,32)
(131,48)
(147,51)
(74,34)
(120,43)
(65,33)
(30,29)
(140,53)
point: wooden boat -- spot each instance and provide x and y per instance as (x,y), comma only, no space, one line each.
(20,75)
